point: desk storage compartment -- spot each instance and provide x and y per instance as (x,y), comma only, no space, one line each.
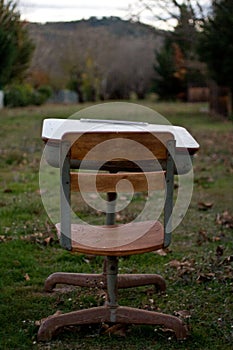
(183,160)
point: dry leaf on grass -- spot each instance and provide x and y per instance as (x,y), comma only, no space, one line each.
(205,277)
(102,294)
(205,205)
(38,237)
(228,260)
(225,219)
(4,239)
(183,314)
(116,329)
(174,263)
(48,240)
(219,251)
(161,252)
(33,237)
(183,267)
(216,238)
(202,237)
(27,277)
(179,264)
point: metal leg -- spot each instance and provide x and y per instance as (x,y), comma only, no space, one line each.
(122,314)
(100,280)
(75,279)
(138,316)
(136,280)
(53,324)
(112,268)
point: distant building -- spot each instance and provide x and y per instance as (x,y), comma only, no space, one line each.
(64,96)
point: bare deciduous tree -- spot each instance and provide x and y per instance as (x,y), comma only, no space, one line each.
(95,61)
(165,14)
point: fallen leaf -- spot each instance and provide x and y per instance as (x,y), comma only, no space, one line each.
(225,219)
(117,329)
(183,313)
(174,263)
(205,277)
(48,240)
(27,277)
(183,267)
(161,252)
(34,237)
(216,239)
(228,260)
(39,238)
(205,205)
(102,294)
(219,251)
(202,237)
(179,264)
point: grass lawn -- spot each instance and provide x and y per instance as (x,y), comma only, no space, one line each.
(197,267)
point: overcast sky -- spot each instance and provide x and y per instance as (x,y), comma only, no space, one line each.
(72,10)
(69,10)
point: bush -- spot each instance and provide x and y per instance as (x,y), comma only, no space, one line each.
(41,95)
(18,95)
(46,91)
(21,95)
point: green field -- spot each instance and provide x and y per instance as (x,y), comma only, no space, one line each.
(197,267)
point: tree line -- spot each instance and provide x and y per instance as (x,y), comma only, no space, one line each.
(113,59)
(100,59)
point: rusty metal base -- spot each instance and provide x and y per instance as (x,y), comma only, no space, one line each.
(110,312)
(119,314)
(100,281)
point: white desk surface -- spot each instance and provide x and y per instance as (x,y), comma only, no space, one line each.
(54,129)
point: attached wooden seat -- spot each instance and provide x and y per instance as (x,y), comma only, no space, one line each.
(104,242)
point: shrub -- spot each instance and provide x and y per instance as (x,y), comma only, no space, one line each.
(21,95)
(18,95)
(41,95)
(45,90)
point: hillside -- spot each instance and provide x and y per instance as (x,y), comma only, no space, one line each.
(100,48)
(113,25)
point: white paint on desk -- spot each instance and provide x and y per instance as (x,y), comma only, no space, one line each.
(55,128)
